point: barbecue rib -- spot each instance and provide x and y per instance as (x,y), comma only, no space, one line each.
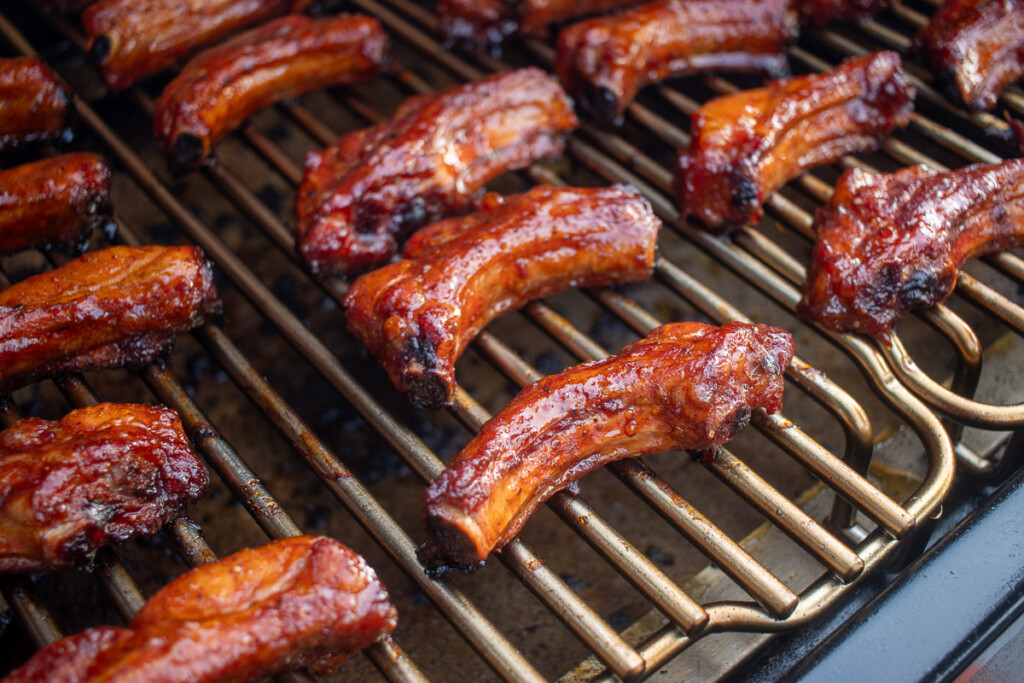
(491,21)
(890,243)
(56,201)
(299,602)
(820,12)
(33,105)
(133,39)
(102,474)
(117,307)
(976,47)
(222,86)
(417,316)
(747,145)
(379,184)
(604,62)
(687,385)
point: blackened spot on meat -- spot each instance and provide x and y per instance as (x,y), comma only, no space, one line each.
(100,49)
(421,350)
(886,284)
(186,153)
(415,214)
(601,104)
(919,289)
(745,194)
(1000,216)
(436,566)
(427,391)
(741,418)
(426,388)
(97,208)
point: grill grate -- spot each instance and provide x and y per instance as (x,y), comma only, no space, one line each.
(846,548)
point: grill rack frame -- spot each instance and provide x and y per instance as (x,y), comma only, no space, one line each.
(868,357)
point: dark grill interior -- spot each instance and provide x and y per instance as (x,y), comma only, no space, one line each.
(308,436)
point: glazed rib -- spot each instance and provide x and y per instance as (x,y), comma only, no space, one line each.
(100,475)
(117,307)
(430,160)
(33,105)
(299,602)
(686,386)
(820,12)
(604,62)
(891,243)
(491,21)
(56,201)
(222,86)
(976,47)
(747,145)
(133,39)
(417,316)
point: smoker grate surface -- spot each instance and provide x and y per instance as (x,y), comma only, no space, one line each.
(637,606)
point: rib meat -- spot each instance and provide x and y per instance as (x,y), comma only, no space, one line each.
(299,602)
(56,201)
(890,243)
(379,184)
(133,39)
(102,474)
(116,307)
(491,21)
(976,47)
(33,105)
(687,385)
(222,86)
(747,145)
(604,62)
(417,316)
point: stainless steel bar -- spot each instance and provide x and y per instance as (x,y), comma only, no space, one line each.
(747,572)
(786,515)
(35,617)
